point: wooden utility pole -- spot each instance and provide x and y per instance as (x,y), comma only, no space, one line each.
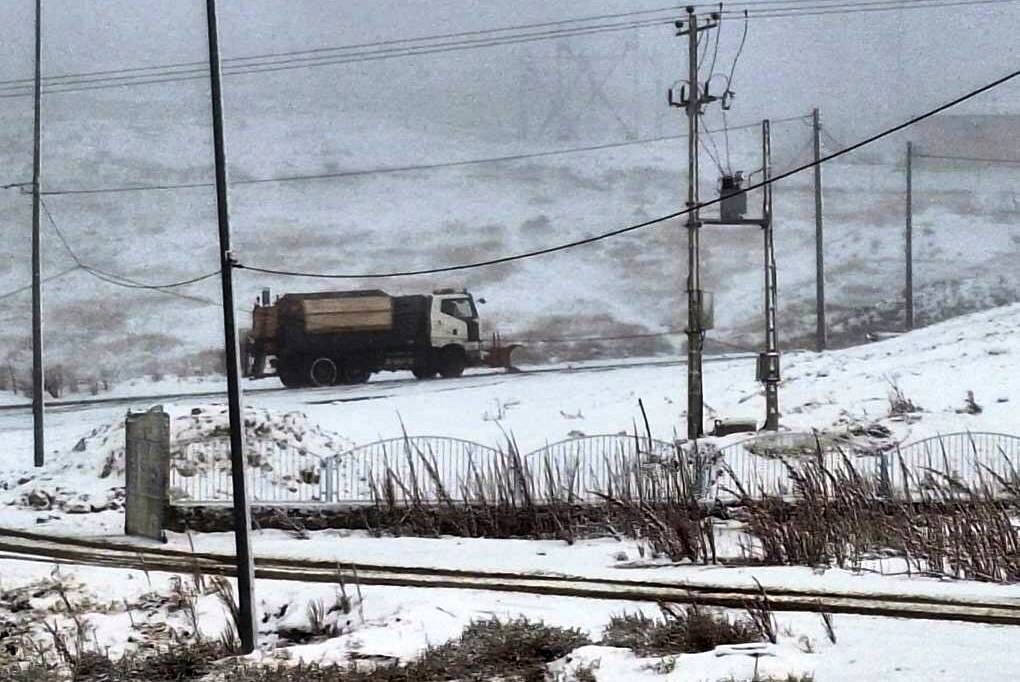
(908,290)
(38,384)
(242,511)
(821,331)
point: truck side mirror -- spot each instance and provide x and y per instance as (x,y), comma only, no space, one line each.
(481,301)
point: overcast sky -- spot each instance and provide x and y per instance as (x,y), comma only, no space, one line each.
(864,71)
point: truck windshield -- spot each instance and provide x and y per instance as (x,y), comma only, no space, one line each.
(459,307)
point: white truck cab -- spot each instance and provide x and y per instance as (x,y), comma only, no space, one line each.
(455,321)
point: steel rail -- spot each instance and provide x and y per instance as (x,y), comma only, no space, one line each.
(25,546)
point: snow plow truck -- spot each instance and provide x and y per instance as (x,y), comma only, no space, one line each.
(343,337)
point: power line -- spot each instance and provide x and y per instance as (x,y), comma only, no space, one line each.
(120,280)
(857,8)
(395,169)
(354,46)
(174,74)
(654,221)
(320,56)
(975,159)
(50,278)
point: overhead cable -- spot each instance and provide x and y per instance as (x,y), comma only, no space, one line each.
(393,169)
(654,221)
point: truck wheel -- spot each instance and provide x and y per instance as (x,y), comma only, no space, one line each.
(355,372)
(322,372)
(290,376)
(425,366)
(452,362)
(423,371)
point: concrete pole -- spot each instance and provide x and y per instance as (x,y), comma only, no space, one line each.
(242,511)
(821,331)
(771,299)
(38,383)
(695,334)
(908,290)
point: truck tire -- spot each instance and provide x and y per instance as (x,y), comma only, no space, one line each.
(423,371)
(290,376)
(355,371)
(322,372)
(452,362)
(425,366)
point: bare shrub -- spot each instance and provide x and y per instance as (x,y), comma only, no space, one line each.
(688,629)
(940,525)
(899,403)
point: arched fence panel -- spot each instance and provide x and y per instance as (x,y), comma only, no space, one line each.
(957,460)
(589,468)
(407,469)
(765,464)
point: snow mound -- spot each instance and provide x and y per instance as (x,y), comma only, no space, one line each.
(90,475)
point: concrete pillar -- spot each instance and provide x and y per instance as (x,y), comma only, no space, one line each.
(147,470)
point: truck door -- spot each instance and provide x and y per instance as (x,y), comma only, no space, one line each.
(454,320)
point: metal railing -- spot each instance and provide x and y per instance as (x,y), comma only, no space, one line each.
(964,459)
(430,469)
(200,471)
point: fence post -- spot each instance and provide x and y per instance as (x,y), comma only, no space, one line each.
(885,484)
(147,472)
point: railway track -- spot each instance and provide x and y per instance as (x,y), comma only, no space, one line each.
(25,546)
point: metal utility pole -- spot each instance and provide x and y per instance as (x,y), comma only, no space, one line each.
(821,332)
(770,358)
(242,510)
(38,384)
(908,291)
(695,331)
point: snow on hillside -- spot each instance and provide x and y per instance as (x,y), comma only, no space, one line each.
(966,243)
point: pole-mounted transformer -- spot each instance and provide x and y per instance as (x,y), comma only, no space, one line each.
(733,200)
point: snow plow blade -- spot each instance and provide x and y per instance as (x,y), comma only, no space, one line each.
(499,354)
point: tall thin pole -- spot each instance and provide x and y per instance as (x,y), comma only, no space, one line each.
(908,291)
(695,335)
(821,333)
(38,385)
(771,333)
(242,510)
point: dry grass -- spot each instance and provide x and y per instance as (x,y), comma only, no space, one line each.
(939,525)
(689,629)
(511,651)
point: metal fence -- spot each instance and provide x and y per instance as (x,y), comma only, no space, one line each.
(762,465)
(956,459)
(424,469)
(200,471)
(407,468)
(428,469)
(765,465)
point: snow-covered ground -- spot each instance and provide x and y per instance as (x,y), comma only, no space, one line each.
(125,610)
(935,367)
